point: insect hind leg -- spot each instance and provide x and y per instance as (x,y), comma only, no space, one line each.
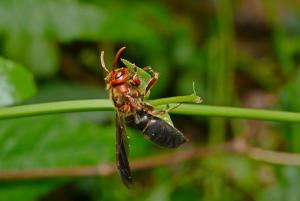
(167,110)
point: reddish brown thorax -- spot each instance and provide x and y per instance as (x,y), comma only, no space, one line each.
(117,77)
(124,92)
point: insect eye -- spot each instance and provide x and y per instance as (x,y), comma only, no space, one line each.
(118,75)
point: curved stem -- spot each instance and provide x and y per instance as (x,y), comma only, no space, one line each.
(184,109)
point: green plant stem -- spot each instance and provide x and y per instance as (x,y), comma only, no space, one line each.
(56,107)
(184,109)
(235,112)
(81,106)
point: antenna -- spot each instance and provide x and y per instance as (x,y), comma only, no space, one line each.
(117,57)
(102,62)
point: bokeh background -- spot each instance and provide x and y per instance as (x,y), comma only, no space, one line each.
(239,53)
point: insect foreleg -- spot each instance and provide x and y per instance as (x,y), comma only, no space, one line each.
(153,80)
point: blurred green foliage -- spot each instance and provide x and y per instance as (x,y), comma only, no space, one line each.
(16,83)
(240,53)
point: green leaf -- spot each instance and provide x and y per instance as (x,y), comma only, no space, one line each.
(16,83)
(165,116)
(57,140)
(143,75)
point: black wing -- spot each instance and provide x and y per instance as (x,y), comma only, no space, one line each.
(122,160)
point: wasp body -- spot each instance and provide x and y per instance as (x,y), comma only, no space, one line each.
(130,106)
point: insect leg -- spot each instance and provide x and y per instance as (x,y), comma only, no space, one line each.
(167,110)
(154,76)
(135,77)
